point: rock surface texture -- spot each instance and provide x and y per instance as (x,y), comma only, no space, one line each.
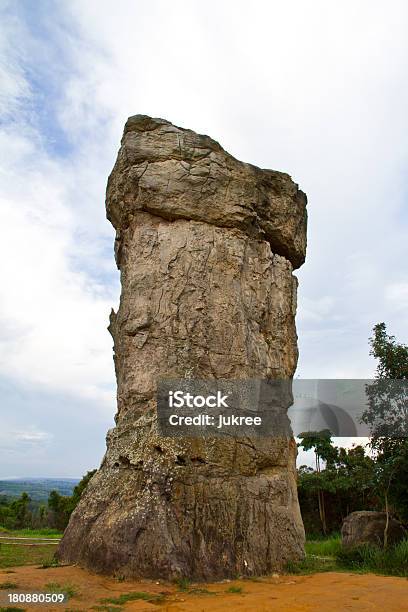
(206,246)
(367,527)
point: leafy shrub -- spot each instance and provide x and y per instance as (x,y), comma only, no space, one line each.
(392,561)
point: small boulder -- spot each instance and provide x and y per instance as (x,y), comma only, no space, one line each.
(367,527)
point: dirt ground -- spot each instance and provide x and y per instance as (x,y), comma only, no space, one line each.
(318,592)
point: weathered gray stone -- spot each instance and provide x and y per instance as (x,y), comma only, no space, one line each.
(206,247)
(177,174)
(367,527)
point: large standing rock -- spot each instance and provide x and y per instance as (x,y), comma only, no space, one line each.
(206,246)
(367,527)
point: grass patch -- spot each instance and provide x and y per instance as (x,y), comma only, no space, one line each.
(234,589)
(125,597)
(120,578)
(328,555)
(107,608)
(67,589)
(8,609)
(183,584)
(392,561)
(5,586)
(32,533)
(200,591)
(12,555)
(50,563)
(321,556)
(311,565)
(324,548)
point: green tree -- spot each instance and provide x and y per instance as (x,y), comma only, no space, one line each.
(62,506)
(392,356)
(321,442)
(58,505)
(80,488)
(387,417)
(21,512)
(342,484)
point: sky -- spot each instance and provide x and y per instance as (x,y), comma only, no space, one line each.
(316,89)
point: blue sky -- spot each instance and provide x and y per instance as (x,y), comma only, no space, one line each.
(315,89)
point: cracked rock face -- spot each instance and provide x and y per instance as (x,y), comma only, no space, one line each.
(206,246)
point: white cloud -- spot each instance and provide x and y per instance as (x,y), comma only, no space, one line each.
(31,436)
(316,89)
(56,315)
(14,87)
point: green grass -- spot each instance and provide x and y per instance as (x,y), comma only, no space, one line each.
(234,589)
(5,586)
(390,562)
(49,563)
(107,608)
(67,589)
(183,584)
(16,554)
(324,548)
(311,565)
(200,591)
(8,609)
(125,597)
(120,578)
(13,555)
(321,556)
(328,556)
(32,533)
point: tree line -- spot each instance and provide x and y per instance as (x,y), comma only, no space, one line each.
(374,477)
(23,513)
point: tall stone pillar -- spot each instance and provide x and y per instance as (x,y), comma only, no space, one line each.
(206,246)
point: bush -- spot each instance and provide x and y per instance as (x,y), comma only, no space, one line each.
(392,561)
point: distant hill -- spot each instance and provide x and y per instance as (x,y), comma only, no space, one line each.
(37,488)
